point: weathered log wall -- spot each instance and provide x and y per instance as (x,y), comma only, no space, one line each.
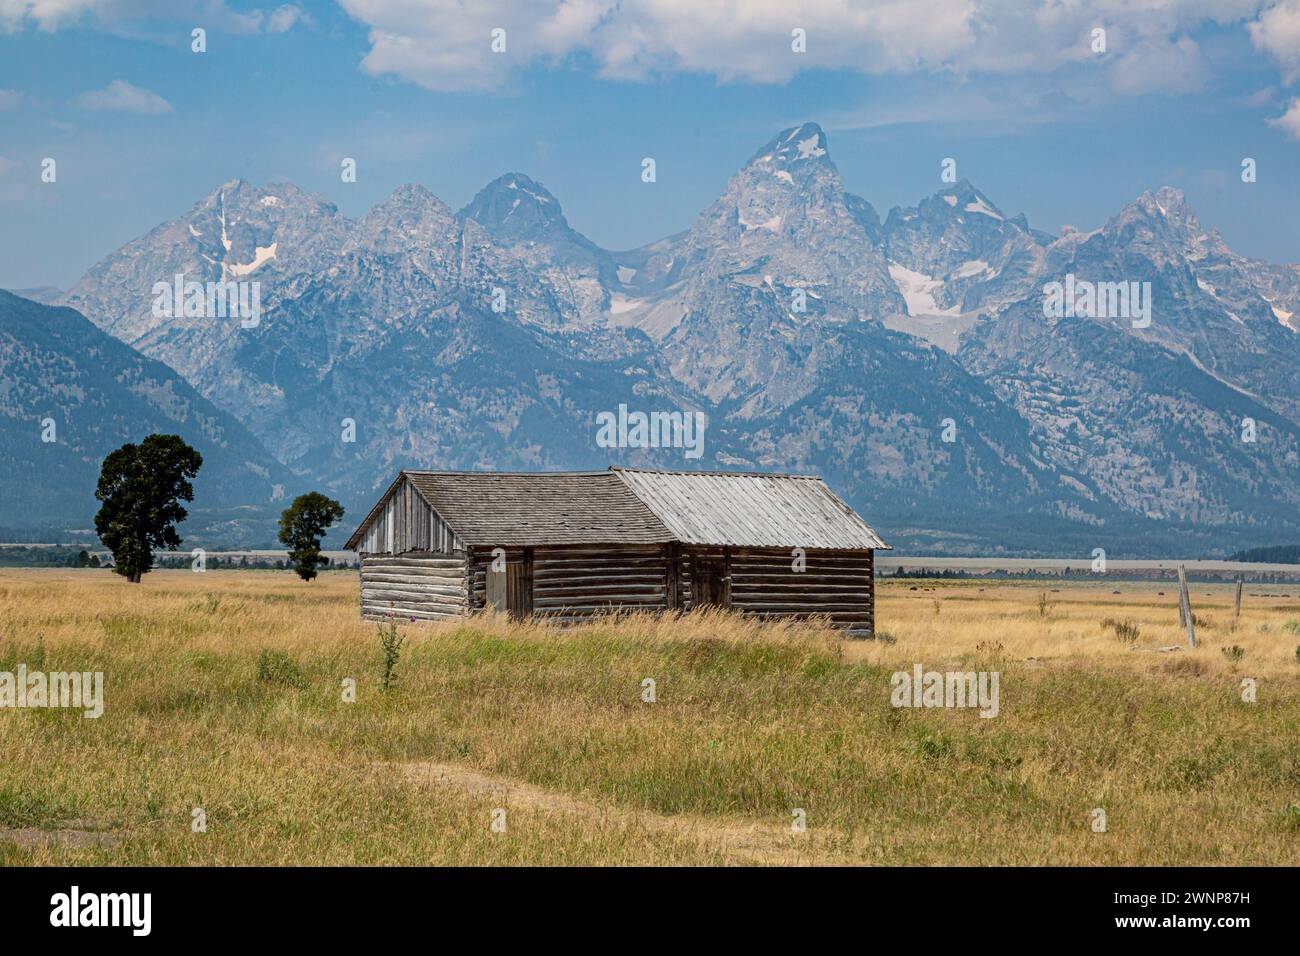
(572,583)
(423,585)
(839,585)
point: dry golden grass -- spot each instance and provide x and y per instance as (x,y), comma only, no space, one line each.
(947,620)
(750,723)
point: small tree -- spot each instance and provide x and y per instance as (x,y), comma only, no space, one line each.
(302,525)
(142,487)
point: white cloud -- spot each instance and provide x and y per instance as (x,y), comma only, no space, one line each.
(283,18)
(445,44)
(1277,33)
(1262,97)
(1161,66)
(120,96)
(51,15)
(46,14)
(1289,122)
(9,99)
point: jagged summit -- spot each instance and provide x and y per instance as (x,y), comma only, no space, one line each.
(1167,201)
(1164,226)
(413,192)
(956,201)
(514,204)
(798,144)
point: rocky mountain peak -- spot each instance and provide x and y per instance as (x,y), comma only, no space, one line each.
(961,201)
(1163,209)
(798,145)
(413,194)
(1163,227)
(516,207)
(409,219)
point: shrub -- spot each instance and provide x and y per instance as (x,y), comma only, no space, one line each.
(1125,631)
(1234,653)
(274,667)
(391,645)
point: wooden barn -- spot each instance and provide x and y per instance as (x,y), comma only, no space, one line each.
(568,545)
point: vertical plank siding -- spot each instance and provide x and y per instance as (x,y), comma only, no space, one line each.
(422,585)
(407,523)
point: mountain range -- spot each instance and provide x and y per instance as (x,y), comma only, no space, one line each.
(909,358)
(70,394)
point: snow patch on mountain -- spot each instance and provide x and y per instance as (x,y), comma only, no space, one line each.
(772,224)
(973,267)
(809,148)
(918,291)
(983,208)
(618,304)
(261,256)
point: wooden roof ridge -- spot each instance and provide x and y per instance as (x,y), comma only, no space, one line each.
(716,474)
(452,473)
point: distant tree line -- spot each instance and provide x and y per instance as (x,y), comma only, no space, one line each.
(1277,554)
(218,562)
(48,557)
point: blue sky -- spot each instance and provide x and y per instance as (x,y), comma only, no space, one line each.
(141,127)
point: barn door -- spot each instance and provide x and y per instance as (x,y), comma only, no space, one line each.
(511,590)
(709,585)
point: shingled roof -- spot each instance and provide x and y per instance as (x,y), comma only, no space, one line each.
(638,506)
(539,508)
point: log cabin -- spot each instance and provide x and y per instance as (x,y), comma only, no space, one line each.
(570,545)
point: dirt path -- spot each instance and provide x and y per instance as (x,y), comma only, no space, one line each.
(739,841)
(74,833)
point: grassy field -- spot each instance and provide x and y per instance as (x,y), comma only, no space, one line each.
(223,691)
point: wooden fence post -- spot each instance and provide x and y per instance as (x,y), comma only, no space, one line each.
(1185,606)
